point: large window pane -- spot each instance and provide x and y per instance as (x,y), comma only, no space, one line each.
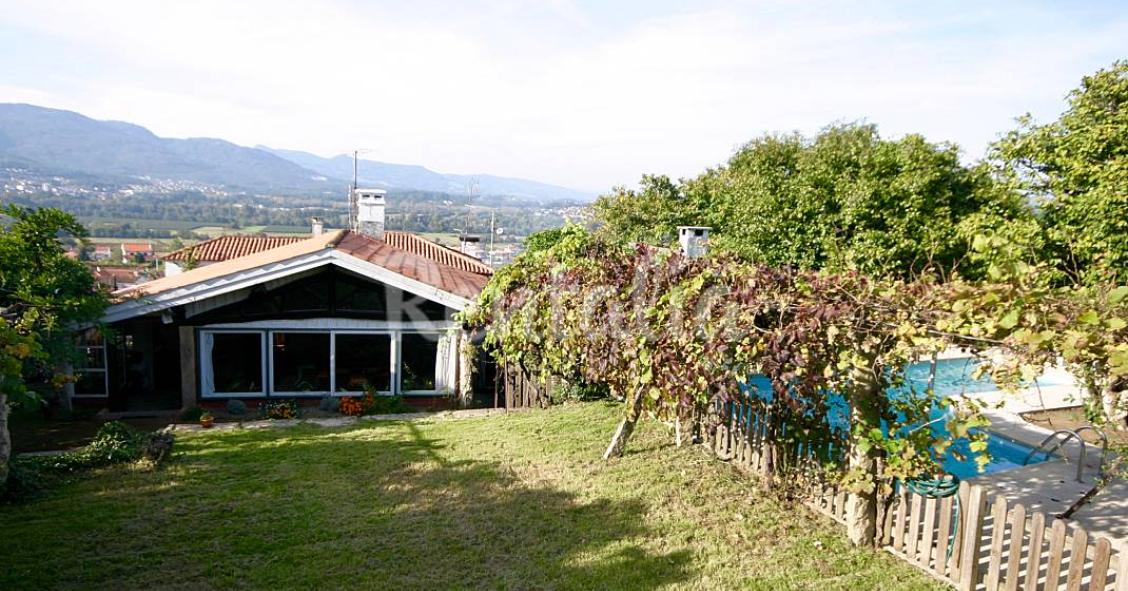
(301,362)
(418,353)
(236,362)
(364,360)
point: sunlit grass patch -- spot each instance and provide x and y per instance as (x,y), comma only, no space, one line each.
(513,502)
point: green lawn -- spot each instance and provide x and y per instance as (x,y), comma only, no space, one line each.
(514,502)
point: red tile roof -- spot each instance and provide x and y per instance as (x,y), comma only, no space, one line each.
(416,265)
(229,247)
(136,247)
(117,277)
(434,251)
(235,245)
(411,256)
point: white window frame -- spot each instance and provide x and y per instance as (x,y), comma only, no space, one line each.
(206,366)
(399,361)
(104,370)
(393,382)
(299,393)
(266,332)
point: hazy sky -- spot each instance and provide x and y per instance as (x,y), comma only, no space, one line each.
(584,94)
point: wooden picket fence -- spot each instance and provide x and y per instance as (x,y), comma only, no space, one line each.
(523,390)
(967,540)
(978,543)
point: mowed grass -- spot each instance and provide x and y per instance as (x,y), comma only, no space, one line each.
(515,502)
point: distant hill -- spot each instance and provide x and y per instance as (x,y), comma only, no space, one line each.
(65,143)
(412,176)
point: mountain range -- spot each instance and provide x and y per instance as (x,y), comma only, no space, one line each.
(65,143)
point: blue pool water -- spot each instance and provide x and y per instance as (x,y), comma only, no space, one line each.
(953,377)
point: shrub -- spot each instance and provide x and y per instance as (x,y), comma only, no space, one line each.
(281,409)
(115,443)
(387,405)
(579,391)
(330,404)
(373,404)
(25,481)
(351,406)
(192,415)
(236,407)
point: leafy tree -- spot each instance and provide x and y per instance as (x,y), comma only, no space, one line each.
(43,293)
(1075,170)
(675,336)
(649,215)
(845,199)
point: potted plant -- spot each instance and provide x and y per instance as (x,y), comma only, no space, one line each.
(207,421)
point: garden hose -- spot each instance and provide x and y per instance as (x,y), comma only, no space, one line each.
(939,488)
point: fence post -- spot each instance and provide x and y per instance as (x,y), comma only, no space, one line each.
(1017,536)
(998,532)
(1057,554)
(1034,559)
(1077,559)
(1100,564)
(972,527)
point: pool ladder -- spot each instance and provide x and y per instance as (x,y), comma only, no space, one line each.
(1072,434)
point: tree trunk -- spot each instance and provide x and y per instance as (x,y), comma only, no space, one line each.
(861,506)
(5,440)
(626,427)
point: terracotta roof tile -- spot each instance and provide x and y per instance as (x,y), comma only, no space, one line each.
(415,257)
(235,245)
(452,278)
(419,245)
(231,246)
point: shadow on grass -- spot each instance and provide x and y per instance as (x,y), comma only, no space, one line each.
(373,508)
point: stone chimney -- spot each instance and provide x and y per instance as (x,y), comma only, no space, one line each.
(318,227)
(370,212)
(694,240)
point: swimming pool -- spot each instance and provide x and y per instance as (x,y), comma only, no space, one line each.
(953,377)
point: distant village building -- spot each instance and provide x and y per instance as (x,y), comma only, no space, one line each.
(102,252)
(117,278)
(137,252)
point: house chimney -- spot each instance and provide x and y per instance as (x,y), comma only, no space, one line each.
(694,240)
(318,227)
(370,212)
(470,245)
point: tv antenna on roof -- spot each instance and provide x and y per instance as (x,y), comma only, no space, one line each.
(471,193)
(354,210)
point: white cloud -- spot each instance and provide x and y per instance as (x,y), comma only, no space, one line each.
(551,92)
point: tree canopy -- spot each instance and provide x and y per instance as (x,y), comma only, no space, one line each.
(43,293)
(1075,171)
(844,199)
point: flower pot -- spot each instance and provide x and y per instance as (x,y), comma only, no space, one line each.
(207,423)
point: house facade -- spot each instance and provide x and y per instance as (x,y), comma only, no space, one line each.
(137,252)
(335,314)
